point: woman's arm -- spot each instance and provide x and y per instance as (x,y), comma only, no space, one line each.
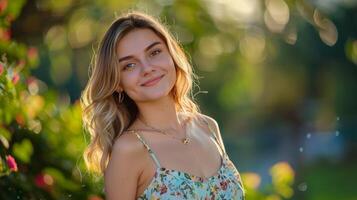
(123,169)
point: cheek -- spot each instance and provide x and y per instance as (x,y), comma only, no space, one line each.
(164,60)
(128,79)
(170,66)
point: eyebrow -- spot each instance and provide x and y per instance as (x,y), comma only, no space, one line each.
(146,49)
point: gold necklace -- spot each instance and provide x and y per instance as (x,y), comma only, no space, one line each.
(185,140)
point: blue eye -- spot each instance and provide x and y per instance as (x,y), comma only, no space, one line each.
(129,66)
(155,52)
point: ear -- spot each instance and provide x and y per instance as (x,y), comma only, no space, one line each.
(120,89)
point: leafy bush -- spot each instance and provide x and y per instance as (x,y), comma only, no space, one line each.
(40,131)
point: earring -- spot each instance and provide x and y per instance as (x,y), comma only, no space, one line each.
(120,97)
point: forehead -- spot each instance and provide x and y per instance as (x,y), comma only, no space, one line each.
(136,40)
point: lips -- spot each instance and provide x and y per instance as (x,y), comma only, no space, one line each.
(152,81)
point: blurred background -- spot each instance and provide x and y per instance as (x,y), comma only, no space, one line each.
(281,77)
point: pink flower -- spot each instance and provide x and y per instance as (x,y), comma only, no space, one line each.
(163,189)
(1,68)
(3,5)
(15,78)
(11,163)
(223,185)
(43,180)
(40,181)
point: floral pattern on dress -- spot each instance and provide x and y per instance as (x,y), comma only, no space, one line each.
(169,184)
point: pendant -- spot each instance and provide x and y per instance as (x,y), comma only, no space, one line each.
(185,140)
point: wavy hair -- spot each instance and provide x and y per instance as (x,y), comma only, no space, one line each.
(105,113)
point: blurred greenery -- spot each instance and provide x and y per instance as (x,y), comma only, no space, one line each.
(280,76)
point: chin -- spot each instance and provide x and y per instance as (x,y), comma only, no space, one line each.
(157,95)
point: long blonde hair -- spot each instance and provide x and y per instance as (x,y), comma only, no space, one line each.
(104,116)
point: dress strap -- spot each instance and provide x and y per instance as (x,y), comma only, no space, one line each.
(213,133)
(152,154)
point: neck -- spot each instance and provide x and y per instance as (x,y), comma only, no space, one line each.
(160,114)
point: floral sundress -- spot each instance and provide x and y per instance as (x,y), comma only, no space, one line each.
(170,184)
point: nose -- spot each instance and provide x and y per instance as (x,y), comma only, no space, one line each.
(146,67)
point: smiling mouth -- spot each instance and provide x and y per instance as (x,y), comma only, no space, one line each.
(153,82)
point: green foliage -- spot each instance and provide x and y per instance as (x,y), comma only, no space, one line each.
(23,150)
(338,174)
(40,132)
(283,177)
(260,68)
(44,134)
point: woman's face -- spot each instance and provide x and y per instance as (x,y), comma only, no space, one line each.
(147,68)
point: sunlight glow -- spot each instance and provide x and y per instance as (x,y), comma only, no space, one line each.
(276,15)
(239,10)
(251,180)
(327,29)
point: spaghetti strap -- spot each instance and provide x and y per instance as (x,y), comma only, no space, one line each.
(152,154)
(213,133)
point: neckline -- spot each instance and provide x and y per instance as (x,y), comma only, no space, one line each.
(193,177)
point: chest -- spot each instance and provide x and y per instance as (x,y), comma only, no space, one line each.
(201,157)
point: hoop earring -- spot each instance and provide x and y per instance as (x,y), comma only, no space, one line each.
(120,97)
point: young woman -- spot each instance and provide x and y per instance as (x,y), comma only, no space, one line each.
(148,137)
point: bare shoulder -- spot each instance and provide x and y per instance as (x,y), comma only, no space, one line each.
(213,123)
(127,143)
(124,167)
(127,149)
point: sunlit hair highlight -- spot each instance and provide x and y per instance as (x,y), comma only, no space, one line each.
(104,117)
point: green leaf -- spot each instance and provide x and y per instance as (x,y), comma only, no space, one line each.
(23,151)
(60,179)
(4,141)
(5,133)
